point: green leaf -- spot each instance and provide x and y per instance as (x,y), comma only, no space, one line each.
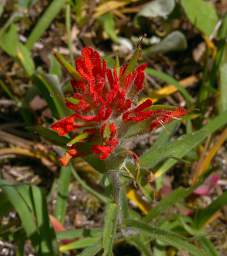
(79,138)
(223,80)
(204,215)
(15,195)
(47,244)
(133,61)
(24,56)
(73,100)
(109,26)
(175,41)
(222,33)
(77,233)
(30,204)
(50,89)
(55,67)
(166,203)
(181,147)
(63,190)
(208,246)
(170,80)
(80,244)
(202,14)
(110,227)
(157,8)
(68,67)
(91,251)
(44,22)
(9,41)
(166,236)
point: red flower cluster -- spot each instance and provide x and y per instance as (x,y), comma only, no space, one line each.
(103,99)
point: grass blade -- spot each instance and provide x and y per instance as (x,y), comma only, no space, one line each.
(181,147)
(174,197)
(47,244)
(208,246)
(167,237)
(50,90)
(15,196)
(76,233)
(24,56)
(223,81)
(68,67)
(80,244)
(44,22)
(204,215)
(91,251)
(63,189)
(170,80)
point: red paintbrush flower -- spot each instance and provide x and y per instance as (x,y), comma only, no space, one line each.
(103,99)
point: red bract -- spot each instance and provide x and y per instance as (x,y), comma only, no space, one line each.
(103,99)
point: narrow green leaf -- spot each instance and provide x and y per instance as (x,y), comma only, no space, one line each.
(50,90)
(78,138)
(69,30)
(110,227)
(223,80)
(55,67)
(175,41)
(15,196)
(77,233)
(63,190)
(73,100)
(166,236)
(181,147)
(44,22)
(167,202)
(24,55)
(80,244)
(208,246)
(68,67)
(109,26)
(47,238)
(170,80)
(9,41)
(91,251)
(133,61)
(204,215)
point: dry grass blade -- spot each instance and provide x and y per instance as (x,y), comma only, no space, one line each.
(171,89)
(110,6)
(204,163)
(15,140)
